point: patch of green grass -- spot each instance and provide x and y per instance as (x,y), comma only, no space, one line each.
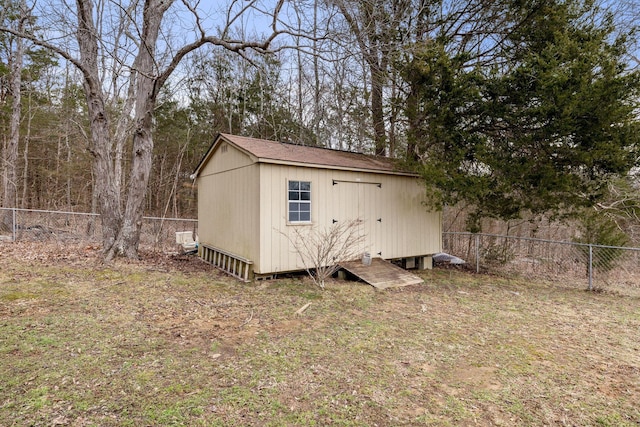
(455,410)
(133,345)
(176,413)
(612,420)
(37,398)
(17,295)
(519,408)
(240,396)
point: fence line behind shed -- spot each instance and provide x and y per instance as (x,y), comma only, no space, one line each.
(594,267)
(85,228)
(580,265)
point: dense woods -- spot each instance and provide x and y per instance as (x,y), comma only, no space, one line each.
(512,108)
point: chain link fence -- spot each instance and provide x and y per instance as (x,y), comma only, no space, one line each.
(594,267)
(30,225)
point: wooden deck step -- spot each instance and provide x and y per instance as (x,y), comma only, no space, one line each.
(381,274)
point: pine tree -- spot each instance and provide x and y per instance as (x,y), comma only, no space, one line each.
(542,129)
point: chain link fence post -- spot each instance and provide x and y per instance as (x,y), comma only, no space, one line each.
(14,225)
(590,267)
(477,253)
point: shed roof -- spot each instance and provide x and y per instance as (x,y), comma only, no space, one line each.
(266,151)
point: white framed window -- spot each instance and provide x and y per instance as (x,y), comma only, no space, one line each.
(299,201)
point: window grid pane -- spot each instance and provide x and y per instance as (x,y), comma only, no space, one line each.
(299,196)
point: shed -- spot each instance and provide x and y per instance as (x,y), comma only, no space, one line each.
(253,193)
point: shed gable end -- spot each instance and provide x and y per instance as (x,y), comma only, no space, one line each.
(225,157)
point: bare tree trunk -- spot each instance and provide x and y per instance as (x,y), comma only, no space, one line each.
(68,183)
(105,188)
(378,77)
(25,168)
(393,117)
(300,91)
(413,123)
(121,228)
(129,237)
(25,155)
(10,160)
(317,117)
(372,51)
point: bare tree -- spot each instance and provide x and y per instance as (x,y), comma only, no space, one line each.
(322,249)
(133,54)
(10,153)
(627,15)
(376,26)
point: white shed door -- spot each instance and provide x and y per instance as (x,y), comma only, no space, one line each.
(360,201)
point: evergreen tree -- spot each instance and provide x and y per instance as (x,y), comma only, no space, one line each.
(542,130)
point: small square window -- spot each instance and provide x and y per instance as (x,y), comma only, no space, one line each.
(299,201)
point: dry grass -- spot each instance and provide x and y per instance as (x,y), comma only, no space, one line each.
(169,341)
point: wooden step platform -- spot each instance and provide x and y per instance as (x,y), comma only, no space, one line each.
(237,266)
(381,274)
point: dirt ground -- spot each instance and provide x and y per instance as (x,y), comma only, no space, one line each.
(53,252)
(169,340)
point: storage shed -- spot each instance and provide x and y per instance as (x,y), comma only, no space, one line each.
(253,193)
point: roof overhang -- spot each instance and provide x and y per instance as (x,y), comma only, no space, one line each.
(267,160)
(341,168)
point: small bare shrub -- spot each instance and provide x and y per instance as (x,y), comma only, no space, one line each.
(323,248)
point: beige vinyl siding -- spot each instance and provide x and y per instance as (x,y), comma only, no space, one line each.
(225,157)
(411,230)
(276,251)
(406,228)
(228,203)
